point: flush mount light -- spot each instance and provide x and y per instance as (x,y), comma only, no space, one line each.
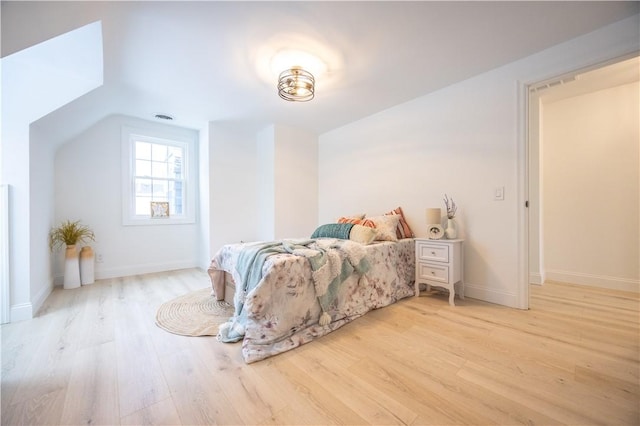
(296,84)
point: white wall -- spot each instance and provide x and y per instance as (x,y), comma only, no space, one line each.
(15,173)
(591,190)
(536,200)
(36,81)
(232,166)
(296,183)
(41,156)
(234,202)
(451,142)
(204,196)
(264,183)
(463,140)
(88,188)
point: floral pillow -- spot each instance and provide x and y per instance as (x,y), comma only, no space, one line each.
(386,226)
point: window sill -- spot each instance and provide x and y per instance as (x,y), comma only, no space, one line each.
(158,221)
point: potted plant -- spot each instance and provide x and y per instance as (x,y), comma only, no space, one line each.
(70,233)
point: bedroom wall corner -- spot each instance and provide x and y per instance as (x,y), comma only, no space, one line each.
(204,198)
(265,182)
(88,187)
(463,140)
(296,182)
(287,182)
(49,74)
(233,210)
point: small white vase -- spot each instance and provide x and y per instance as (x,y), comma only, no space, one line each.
(451,232)
(71,268)
(87,266)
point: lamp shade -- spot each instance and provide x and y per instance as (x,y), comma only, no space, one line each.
(434,216)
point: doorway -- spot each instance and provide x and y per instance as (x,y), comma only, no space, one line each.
(5,304)
(572,203)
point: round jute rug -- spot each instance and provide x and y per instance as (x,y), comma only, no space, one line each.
(197,313)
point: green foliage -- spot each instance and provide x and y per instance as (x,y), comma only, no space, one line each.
(70,233)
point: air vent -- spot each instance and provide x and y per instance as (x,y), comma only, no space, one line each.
(553,83)
(163,117)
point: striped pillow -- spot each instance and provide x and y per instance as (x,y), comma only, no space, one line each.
(403,230)
(355,221)
(355,216)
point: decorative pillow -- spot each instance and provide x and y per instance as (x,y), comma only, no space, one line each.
(386,227)
(362,234)
(333,230)
(354,216)
(363,222)
(403,231)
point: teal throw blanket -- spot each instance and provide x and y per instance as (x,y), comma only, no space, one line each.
(331,262)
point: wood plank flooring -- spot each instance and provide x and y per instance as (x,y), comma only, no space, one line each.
(95,356)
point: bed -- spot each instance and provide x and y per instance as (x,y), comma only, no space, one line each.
(287,293)
(283,311)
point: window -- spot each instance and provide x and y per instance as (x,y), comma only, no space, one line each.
(157,180)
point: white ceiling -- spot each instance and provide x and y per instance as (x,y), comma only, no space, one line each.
(208,61)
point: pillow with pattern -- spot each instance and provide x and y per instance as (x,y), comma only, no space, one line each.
(363,222)
(404,230)
(354,216)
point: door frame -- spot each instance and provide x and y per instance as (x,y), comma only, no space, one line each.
(5,305)
(528,198)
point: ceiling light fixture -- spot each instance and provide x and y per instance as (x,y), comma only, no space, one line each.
(296,85)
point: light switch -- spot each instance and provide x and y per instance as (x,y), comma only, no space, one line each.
(498,193)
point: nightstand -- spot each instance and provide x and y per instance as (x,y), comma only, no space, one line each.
(439,263)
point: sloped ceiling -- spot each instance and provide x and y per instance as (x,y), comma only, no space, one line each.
(208,61)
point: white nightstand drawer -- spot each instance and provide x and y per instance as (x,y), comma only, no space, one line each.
(433,272)
(433,252)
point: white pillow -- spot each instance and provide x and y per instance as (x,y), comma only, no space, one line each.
(386,227)
(362,234)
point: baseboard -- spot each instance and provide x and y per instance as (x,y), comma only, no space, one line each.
(21,312)
(26,311)
(126,271)
(491,296)
(613,283)
(42,295)
(535,278)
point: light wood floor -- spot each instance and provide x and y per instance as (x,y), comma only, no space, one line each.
(94,356)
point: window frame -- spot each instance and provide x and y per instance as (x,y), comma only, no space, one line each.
(129,137)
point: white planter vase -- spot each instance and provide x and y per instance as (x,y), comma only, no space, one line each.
(87,266)
(451,233)
(71,268)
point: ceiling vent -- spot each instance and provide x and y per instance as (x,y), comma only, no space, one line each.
(163,117)
(553,83)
